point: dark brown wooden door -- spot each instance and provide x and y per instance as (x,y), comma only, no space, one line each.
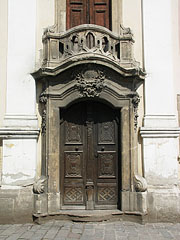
(89,156)
(88,12)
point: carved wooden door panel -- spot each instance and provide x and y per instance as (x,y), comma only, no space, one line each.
(89,156)
(100,11)
(106,157)
(76,13)
(72,150)
(88,12)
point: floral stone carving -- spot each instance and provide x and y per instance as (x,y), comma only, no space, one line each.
(90,83)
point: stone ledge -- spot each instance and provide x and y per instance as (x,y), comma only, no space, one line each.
(14,133)
(148,132)
(20,120)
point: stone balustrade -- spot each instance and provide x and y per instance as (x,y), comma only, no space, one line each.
(88,42)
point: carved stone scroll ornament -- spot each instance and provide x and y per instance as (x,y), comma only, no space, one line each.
(135,102)
(43,100)
(90,86)
(43,97)
(140,183)
(40,185)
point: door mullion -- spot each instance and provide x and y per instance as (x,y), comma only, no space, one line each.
(90,160)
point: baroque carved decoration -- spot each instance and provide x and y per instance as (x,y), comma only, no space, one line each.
(106,167)
(43,124)
(135,101)
(73,164)
(40,185)
(73,133)
(90,83)
(140,183)
(43,97)
(106,132)
(43,100)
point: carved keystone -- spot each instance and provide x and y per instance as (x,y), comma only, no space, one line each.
(90,83)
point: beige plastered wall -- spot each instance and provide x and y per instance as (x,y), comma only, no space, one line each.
(45,18)
(3,66)
(175,12)
(125,12)
(3,56)
(132,17)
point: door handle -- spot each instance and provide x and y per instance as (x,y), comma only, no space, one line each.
(76,149)
(102,149)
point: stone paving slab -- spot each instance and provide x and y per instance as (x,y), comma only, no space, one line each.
(65,230)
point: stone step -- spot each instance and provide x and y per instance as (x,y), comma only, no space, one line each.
(91,216)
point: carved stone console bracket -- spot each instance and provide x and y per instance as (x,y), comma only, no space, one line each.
(140,183)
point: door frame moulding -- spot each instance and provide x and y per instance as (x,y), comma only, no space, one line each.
(67,87)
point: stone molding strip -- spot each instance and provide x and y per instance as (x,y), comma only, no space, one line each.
(147,132)
(12,133)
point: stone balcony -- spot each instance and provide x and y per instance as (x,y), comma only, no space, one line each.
(88,43)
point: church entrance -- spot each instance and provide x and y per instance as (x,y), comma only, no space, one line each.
(89,157)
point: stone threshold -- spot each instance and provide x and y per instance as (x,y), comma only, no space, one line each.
(91,216)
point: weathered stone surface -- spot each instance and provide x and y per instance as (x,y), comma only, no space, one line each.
(16,205)
(97,231)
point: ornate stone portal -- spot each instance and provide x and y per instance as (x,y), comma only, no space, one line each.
(88,63)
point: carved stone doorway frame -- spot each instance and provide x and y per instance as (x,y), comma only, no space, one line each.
(95,82)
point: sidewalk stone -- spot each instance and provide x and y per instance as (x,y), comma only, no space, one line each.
(66,230)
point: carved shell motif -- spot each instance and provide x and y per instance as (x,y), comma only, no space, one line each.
(140,184)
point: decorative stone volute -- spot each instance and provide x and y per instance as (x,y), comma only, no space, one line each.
(39,185)
(140,183)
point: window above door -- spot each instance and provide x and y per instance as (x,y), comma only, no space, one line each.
(88,12)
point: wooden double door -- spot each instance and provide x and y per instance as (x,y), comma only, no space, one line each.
(89,156)
(88,12)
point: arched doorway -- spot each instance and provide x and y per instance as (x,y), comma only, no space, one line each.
(89,156)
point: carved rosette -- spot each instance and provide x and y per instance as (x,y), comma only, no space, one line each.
(90,85)
(140,183)
(43,100)
(39,185)
(135,102)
